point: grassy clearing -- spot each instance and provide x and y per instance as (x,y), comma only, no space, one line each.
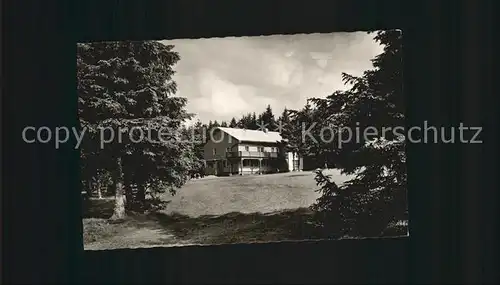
(238,209)
(247,194)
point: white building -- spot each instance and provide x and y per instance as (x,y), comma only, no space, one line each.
(240,151)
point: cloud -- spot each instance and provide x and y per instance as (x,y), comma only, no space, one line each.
(214,95)
(228,77)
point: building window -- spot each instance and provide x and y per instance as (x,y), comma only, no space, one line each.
(246,148)
(261,148)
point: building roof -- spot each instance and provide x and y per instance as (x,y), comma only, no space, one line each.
(253,135)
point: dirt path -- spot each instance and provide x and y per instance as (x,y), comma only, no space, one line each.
(134,237)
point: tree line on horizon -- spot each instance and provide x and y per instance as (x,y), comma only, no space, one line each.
(130,84)
(250,121)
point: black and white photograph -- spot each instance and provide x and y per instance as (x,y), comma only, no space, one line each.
(242,139)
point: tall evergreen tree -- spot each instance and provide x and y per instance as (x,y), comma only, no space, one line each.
(196,136)
(268,118)
(128,85)
(376,197)
(300,122)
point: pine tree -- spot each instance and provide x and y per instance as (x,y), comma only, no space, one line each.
(300,122)
(253,122)
(233,123)
(376,197)
(196,136)
(125,85)
(268,119)
(245,122)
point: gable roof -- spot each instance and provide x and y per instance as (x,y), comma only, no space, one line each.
(244,135)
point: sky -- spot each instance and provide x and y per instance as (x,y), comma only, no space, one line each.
(228,77)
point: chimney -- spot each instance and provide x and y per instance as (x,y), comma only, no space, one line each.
(265,130)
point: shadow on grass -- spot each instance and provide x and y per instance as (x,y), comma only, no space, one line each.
(235,227)
(208,229)
(95,208)
(239,227)
(98,208)
(298,175)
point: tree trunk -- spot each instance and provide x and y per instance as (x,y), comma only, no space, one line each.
(129,195)
(120,201)
(140,198)
(89,187)
(99,192)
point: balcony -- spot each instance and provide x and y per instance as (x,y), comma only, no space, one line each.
(252,154)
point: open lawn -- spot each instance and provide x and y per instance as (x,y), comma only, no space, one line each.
(247,194)
(214,210)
